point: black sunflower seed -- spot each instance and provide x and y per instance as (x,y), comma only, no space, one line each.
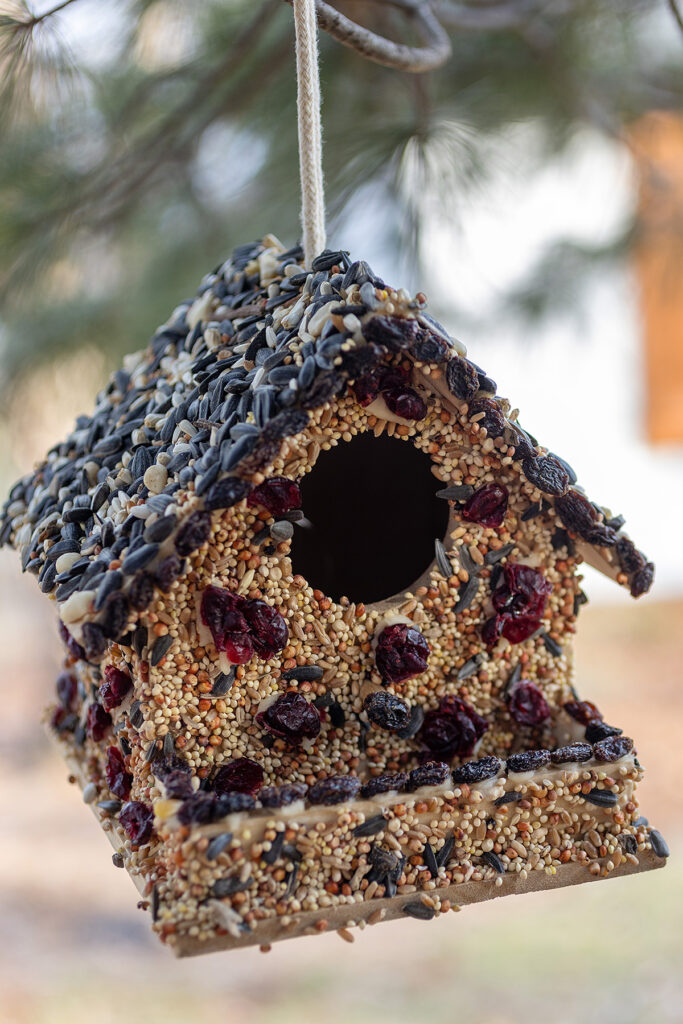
(371,826)
(161,647)
(600,797)
(418,910)
(429,859)
(218,844)
(493,861)
(659,845)
(444,854)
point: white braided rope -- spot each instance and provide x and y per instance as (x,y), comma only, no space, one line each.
(310,132)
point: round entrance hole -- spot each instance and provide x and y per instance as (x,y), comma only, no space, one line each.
(375,517)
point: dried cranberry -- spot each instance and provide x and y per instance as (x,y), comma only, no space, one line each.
(431,773)
(267,628)
(523,591)
(240,776)
(583,711)
(72,645)
(612,748)
(462,378)
(238,647)
(66,689)
(221,611)
(405,402)
(546,473)
(476,771)
(528,761)
(598,730)
(384,783)
(573,752)
(452,730)
(278,495)
(97,722)
(520,600)
(291,717)
(527,705)
(115,687)
(137,820)
(118,779)
(492,420)
(334,790)
(387,710)
(282,796)
(366,388)
(487,506)
(402,652)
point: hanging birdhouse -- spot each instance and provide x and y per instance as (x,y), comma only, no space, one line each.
(318,591)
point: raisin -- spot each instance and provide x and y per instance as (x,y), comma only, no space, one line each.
(286,424)
(583,711)
(401,653)
(527,705)
(642,580)
(137,821)
(431,773)
(393,332)
(194,532)
(492,421)
(612,748)
(178,785)
(528,761)
(384,783)
(282,796)
(278,495)
(324,387)
(573,752)
(334,790)
(476,771)
(630,559)
(546,474)
(66,689)
(141,591)
(579,515)
(240,776)
(487,506)
(291,717)
(597,730)
(168,571)
(462,378)
(94,641)
(430,348)
(387,710)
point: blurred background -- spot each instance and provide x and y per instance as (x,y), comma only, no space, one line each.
(532,187)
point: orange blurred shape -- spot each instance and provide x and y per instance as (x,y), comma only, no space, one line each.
(658,253)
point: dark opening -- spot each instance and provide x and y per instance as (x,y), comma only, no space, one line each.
(375,517)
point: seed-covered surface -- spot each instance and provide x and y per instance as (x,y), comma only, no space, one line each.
(202,668)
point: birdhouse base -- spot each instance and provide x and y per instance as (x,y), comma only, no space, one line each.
(341,918)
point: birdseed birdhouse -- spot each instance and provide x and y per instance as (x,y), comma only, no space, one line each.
(317,591)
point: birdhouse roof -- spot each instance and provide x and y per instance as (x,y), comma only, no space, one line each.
(182,429)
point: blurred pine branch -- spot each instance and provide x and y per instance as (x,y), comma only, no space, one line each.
(143,138)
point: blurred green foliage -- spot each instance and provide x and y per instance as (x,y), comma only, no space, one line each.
(142,139)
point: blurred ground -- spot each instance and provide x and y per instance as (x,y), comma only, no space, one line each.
(76,950)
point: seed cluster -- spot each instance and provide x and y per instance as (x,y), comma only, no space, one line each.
(206,680)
